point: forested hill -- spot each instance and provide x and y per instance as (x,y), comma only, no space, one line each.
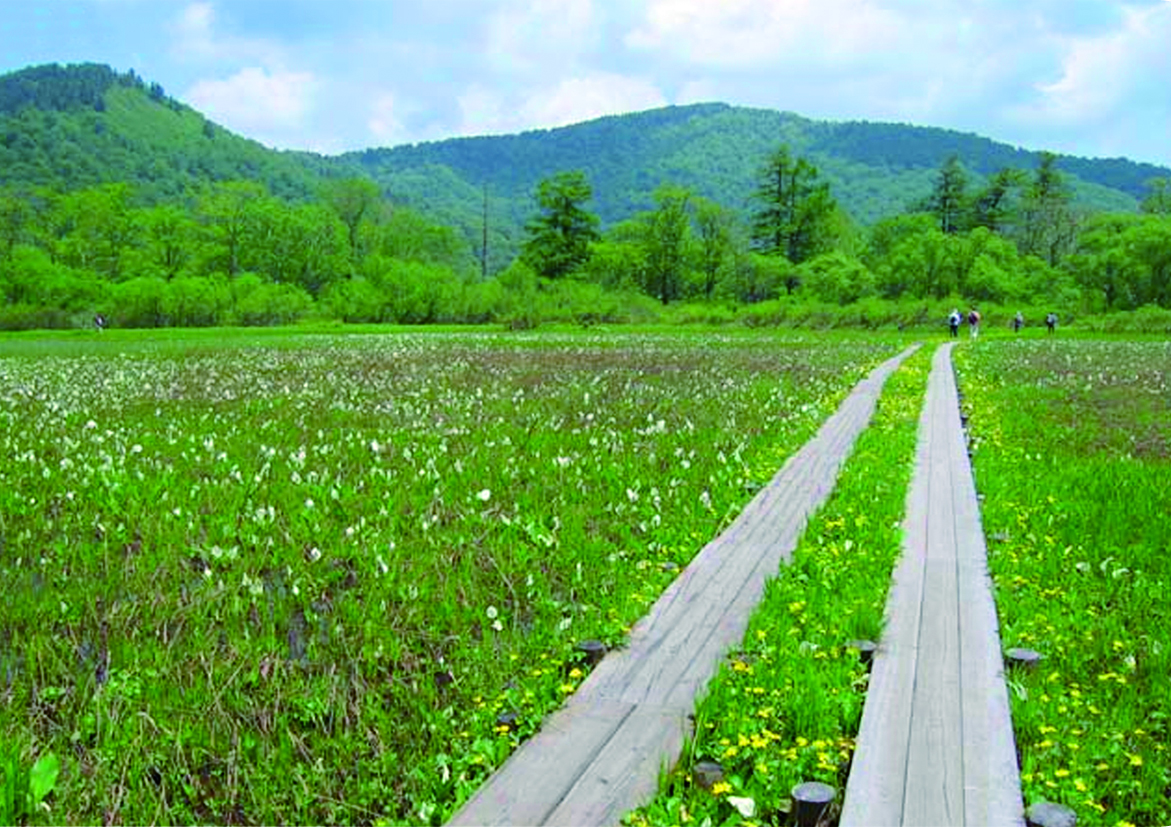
(875,169)
(75,126)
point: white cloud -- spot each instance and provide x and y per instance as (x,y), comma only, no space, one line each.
(742,34)
(195,37)
(266,106)
(569,101)
(535,34)
(384,122)
(579,99)
(1100,74)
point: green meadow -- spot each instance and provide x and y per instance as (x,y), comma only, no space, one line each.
(260,578)
(321,577)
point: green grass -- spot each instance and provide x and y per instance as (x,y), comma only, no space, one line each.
(786,707)
(1073,458)
(258,577)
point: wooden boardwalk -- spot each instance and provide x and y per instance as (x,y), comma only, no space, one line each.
(600,755)
(936,745)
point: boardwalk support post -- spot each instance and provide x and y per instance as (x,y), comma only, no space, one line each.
(1023,658)
(810,800)
(707,773)
(1046,814)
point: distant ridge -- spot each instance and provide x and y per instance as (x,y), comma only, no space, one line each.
(79,125)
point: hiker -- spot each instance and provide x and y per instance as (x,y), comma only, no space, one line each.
(1051,322)
(974,322)
(1018,321)
(99,322)
(953,322)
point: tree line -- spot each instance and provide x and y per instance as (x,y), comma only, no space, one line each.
(234,253)
(1017,238)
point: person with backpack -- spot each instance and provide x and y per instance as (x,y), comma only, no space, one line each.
(1018,321)
(974,322)
(953,322)
(1051,322)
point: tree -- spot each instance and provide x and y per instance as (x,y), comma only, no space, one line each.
(1158,200)
(15,215)
(794,219)
(226,211)
(716,247)
(559,238)
(948,201)
(666,232)
(353,199)
(992,207)
(1048,227)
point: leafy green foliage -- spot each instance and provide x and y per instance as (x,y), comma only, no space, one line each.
(23,790)
(559,236)
(793,216)
(288,578)
(1070,442)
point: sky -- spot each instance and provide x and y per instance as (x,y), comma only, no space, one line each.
(1082,77)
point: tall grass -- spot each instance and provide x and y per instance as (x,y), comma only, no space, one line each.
(319,579)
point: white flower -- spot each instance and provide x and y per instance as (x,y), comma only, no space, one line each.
(484,495)
(492,613)
(308,502)
(498,626)
(745,806)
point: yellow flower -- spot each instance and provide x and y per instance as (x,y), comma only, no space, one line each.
(575,673)
(1079,785)
(1136,760)
(721,787)
(1062,773)
(730,752)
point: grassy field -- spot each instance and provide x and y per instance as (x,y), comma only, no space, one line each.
(786,707)
(315,578)
(1072,453)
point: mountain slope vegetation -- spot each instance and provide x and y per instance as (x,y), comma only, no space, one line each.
(115,196)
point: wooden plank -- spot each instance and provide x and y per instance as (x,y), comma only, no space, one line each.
(876,786)
(935,745)
(601,755)
(535,779)
(627,770)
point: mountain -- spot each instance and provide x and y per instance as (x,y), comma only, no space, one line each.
(73,126)
(875,169)
(76,126)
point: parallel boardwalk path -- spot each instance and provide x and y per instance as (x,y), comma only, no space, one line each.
(600,755)
(936,745)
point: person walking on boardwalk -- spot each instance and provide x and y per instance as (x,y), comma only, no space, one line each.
(974,322)
(953,322)
(1051,322)
(1018,321)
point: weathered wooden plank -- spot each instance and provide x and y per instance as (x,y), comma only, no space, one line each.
(876,787)
(935,745)
(534,780)
(601,755)
(626,770)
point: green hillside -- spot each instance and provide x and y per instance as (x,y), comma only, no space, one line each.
(876,170)
(115,195)
(77,126)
